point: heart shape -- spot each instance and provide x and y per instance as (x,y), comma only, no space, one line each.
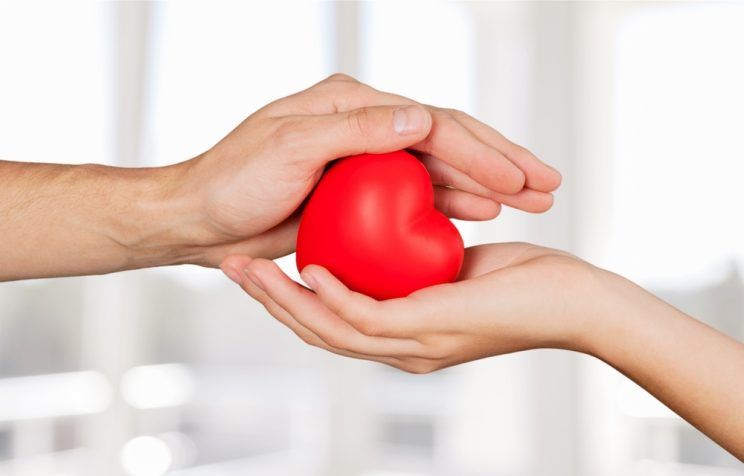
(371,222)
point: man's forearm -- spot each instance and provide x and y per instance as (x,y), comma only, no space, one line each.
(695,370)
(62,220)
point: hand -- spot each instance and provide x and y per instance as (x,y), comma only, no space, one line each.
(514,297)
(510,297)
(246,189)
(243,195)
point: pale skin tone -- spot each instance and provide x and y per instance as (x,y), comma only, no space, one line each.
(512,297)
(236,206)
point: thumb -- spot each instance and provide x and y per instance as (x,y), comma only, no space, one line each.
(374,129)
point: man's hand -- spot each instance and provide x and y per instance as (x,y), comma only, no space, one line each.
(242,196)
(247,187)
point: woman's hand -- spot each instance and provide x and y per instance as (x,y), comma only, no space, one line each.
(246,188)
(510,297)
(514,297)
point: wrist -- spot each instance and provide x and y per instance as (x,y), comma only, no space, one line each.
(170,222)
(157,221)
(612,314)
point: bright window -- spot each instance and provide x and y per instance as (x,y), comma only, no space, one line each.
(54,94)
(679,157)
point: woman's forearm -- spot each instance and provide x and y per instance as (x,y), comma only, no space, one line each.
(61,220)
(695,370)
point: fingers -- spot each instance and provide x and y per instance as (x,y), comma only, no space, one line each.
(374,129)
(306,335)
(414,316)
(463,205)
(309,311)
(457,138)
(233,267)
(526,199)
(361,312)
(487,163)
(307,315)
(442,173)
(539,176)
(454,144)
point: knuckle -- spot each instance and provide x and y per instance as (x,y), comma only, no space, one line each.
(367,326)
(248,287)
(289,134)
(427,145)
(336,342)
(519,152)
(366,317)
(443,356)
(284,128)
(446,126)
(446,176)
(435,347)
(420,367)
(449,119)
(436,353)
(446,206)
(345,310)
(304,337)
(340,77)
(339,88)
(407,367)
(358,121)
(457,114)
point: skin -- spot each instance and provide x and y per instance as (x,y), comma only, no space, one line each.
(237,204)
(243,194)
(512,297)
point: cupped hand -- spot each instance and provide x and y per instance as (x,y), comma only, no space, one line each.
(509,297)
(246,190)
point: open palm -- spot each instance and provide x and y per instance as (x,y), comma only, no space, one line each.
(528,289)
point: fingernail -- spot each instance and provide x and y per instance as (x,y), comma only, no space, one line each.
(559,175)
(254,279)
(409,120)
(309,279)
(232,273)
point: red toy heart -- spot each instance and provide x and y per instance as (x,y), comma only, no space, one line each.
(371,222)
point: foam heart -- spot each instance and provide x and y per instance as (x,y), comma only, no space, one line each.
(371,221)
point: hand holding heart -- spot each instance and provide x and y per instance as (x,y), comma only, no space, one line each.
(248,187)
(372,219)
(510,297)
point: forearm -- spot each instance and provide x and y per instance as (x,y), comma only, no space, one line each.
(62,220)
(695,370)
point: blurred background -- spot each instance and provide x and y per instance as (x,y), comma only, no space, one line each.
(176,371)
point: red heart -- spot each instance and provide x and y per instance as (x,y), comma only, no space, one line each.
(371,221)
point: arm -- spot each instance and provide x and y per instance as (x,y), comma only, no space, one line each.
(241,196)
(61,220)
(695,370)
